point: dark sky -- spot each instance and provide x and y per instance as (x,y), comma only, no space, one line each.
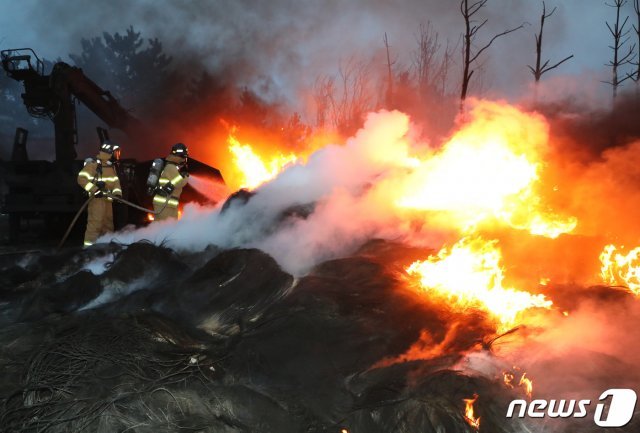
(287,43)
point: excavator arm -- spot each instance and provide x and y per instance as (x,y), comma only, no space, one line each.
(99,101)
(54,96)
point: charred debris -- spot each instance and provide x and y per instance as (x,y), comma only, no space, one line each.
(225,341)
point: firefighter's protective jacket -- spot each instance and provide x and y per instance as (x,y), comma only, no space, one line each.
(167,203)
(100,211)
(99,169)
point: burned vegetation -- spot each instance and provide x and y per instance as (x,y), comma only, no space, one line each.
(225,341)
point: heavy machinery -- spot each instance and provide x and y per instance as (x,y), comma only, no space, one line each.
(46,191)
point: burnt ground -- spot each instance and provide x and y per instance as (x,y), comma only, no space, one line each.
(226,341)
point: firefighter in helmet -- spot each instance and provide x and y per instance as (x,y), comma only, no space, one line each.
(99,179)
(173,178)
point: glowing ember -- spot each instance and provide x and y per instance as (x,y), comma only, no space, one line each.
(620,269)
(508,379)
(489,169)
(254,169)
(150,217)
(524,382)
(469,415)
(470,275)
(527,384)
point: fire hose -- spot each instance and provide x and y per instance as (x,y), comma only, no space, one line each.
(113,197)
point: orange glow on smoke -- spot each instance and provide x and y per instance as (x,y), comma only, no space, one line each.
(469,414)
(621,269)
(470,275)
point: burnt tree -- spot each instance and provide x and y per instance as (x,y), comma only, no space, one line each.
(620,39)
(342,101)
(540,67)
(470,56)
(430,66)
(635,76)
(389,73)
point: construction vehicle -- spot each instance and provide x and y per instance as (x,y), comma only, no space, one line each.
(46,191)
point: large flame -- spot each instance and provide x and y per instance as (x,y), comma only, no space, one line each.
(253,169)
(489,169)
(621,269)
(470,274)
(489,179)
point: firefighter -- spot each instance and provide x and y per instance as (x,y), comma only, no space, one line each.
(98,177)
(173,178)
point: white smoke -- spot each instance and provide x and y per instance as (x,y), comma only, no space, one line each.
(338,185)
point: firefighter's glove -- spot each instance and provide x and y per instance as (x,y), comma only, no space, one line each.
(168,188)
(101,189)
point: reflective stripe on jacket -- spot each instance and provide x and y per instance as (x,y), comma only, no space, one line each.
(171,174)
(90,174)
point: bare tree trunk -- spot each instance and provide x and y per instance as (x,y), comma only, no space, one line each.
(540,67)
(471,29)
(390,74)
(620,38)
(636,29)
(468,35)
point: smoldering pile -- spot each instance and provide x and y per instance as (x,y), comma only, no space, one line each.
(225,341)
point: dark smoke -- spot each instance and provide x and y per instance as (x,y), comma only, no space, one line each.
(588,131)
(277,49)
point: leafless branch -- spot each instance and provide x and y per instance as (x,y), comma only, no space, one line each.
(620,39)
(506,32)
(471,29)
(636,28)
(545,69)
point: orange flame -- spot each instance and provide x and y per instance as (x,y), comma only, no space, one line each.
(470,274)
(490,168)
(253,169)
(620,269)
(508,379)
(524,382)
(527,384)
(469,414)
